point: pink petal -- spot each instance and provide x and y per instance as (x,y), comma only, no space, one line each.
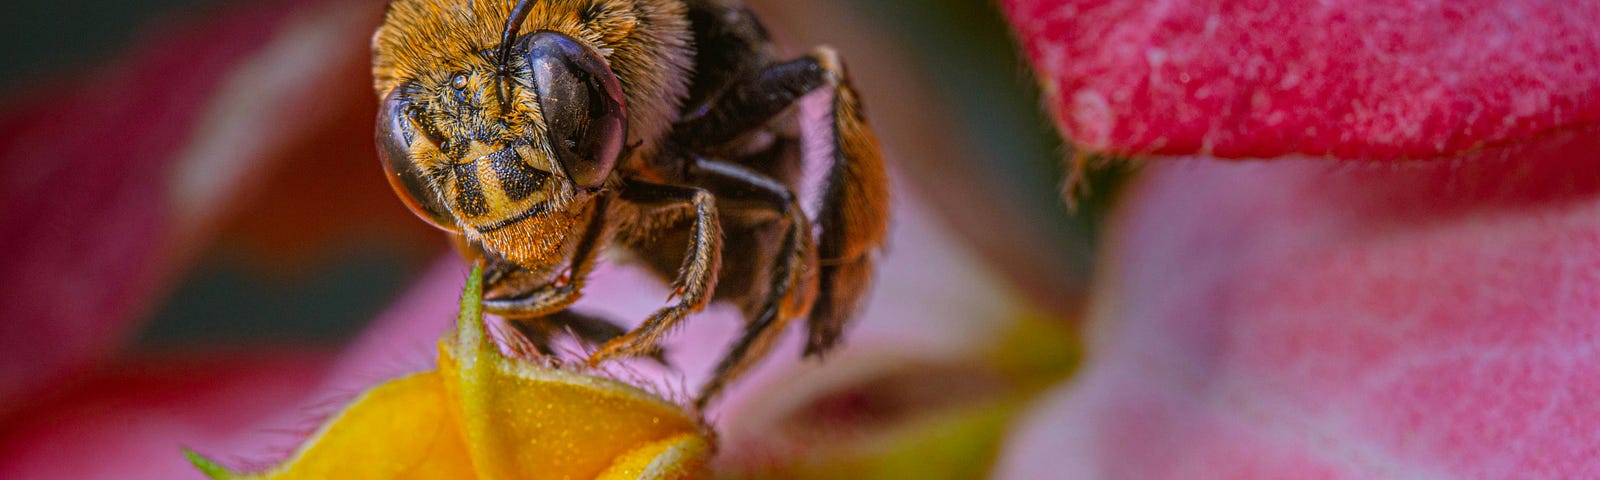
(405,337)
(131,424)
(1302,318)
(1378,80)
(244,408)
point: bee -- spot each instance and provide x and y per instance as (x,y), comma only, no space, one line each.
(538,133)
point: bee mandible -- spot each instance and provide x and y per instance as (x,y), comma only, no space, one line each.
(540,132)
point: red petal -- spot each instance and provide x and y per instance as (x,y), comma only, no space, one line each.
(109,185)
(1376,80)
(255,407)
(131,424)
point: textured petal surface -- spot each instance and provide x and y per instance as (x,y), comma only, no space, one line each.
(1303,318)
(1376,80)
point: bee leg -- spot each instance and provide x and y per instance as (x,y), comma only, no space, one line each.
(594,330)
(542,301)
(588,329)
(752,103)
(539,334)
(555,296)
(793,285)
(659,205)
(855,202)
(730,44)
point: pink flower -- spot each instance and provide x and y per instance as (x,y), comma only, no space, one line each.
(1406,286)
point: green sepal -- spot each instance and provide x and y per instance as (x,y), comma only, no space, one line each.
(211,469)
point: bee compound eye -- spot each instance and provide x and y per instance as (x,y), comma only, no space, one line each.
(396,133)
(584,110)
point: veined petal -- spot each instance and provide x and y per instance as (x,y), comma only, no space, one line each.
(1301,318)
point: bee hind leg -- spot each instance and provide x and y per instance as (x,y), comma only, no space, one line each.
(854,213)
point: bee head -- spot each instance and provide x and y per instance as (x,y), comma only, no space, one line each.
(504,135)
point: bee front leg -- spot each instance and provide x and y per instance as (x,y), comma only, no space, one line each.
(556,296)
(793,280)
(590,330)
(658,205)
(855,202)
(544,300)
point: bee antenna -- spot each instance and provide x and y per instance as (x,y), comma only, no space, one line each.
(513,27)
(508,38)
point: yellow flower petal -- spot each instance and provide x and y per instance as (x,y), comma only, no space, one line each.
(400,429)
(484,415)
(680,457)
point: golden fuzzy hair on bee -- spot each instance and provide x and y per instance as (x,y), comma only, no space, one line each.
(647,44)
